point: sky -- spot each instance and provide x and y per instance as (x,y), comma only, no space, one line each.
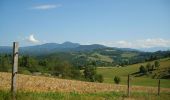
(115,23)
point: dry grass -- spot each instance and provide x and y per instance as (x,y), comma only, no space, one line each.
(44,84)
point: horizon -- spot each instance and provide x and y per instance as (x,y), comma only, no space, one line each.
(151,49)
(123,24)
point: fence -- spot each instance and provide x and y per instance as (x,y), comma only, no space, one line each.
(129,86)
(15,70)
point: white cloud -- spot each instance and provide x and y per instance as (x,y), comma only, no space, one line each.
(120,44)
(124,44)
(142,43)
(46,6)
(147,43)
(32,39)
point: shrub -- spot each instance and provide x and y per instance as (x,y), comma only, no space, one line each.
(99,78)
(148,67)
(117,79)
(157,64)
(27,72)
(142,69)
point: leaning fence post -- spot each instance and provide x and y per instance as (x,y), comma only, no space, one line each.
(14,68)
(159,87)
(128,85)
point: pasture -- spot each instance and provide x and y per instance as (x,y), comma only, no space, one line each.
(109,73)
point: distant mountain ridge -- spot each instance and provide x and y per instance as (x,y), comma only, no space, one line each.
(52,47)
(64,47)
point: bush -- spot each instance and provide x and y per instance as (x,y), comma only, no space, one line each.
(148,67)
(142,69)
(27,72)
(117,79)
(75,73)
(99,78)
(157,64)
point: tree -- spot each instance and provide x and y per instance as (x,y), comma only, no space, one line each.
(153,67)
(148,67)
(117,79)
(142,69)
(75,73)
(157,64)
(89,73)
(99,78)
(3,65)
(42,63)
(63,69)
(24,61)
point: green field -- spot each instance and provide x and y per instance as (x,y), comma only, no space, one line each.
(109,73)
(6,95)
(97,56)
(129,54)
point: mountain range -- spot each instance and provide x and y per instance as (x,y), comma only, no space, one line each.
(67,47)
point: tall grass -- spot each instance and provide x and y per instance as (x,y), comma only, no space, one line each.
(6,95)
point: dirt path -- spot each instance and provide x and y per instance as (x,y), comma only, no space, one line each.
(40,83)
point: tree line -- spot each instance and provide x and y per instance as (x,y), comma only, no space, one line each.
(149,67)
(53,66)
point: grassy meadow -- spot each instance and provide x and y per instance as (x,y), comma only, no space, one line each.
(6,95)
(109,73)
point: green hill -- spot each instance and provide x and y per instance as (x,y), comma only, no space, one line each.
(109,73)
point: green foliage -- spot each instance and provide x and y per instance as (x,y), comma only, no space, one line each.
(24,61)
(148,67)
(23,71)
(99,78)
(142,69)
(117,79)
(89,73)
(30,63)
(157,64)
(75,73)
(5,62)
(65,70)
(21,95)
(42,62)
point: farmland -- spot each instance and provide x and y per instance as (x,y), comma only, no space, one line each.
(38,87)
(110,72)
(40,83)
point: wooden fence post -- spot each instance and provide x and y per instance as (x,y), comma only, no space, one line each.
(159,87)
(128,85)
(14,68)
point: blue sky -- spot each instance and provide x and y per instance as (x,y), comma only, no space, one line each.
(120,23)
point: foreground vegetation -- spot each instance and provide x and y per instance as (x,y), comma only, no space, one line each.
(45,84)
(21,95)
